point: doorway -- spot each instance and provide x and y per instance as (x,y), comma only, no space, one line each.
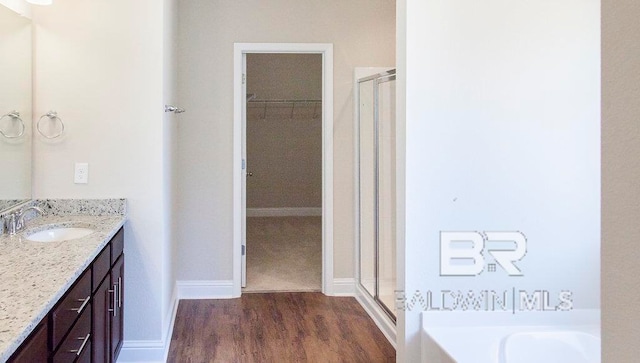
(242,167)
(284,172)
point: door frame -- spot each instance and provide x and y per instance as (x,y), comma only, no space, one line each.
(239,150)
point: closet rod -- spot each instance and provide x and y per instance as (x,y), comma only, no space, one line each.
(284,101)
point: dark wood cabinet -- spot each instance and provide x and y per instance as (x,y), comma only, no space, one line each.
(101,318)
(71,306)
(77,342)
(35,348)
(108,322)
(86,325)
(117,320)
(85,357)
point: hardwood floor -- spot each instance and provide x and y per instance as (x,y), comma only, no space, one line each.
(277,327)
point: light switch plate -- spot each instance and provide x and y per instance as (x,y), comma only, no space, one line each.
(81,175)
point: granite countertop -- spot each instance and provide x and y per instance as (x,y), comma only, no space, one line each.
(35,275)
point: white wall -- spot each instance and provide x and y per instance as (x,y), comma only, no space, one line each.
(363,35)
(104,66)
(170,147)
(19,6)
(502,133)
(620,180)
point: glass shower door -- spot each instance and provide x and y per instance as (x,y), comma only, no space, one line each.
(367,192)
(386,154)
(377,185)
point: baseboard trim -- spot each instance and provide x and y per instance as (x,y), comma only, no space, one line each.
(170,321)
(156,351)
(344,287)
(152,351)
(204,289)
(143,351)
(283,212)
(384,323)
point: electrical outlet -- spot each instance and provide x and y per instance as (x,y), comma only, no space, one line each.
(81,175)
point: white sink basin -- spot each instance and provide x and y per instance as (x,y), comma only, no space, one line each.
(59,234)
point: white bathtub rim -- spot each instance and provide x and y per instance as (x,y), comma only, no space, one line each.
(564,334)
(470,336)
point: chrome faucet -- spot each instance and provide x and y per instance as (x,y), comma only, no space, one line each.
(15,220)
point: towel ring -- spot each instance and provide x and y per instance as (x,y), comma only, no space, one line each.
(15,115)
(51,115)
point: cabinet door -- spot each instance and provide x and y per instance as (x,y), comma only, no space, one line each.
(117,281)
(35,349)
(101,330)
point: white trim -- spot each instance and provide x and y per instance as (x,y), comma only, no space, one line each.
(170,321)
(156,351)
(152,350)
(238,173)
(283,212)
(204,289)
(326,49)
(384,323)
(139,351)
(344,287)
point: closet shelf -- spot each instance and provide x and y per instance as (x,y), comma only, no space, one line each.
(296,102)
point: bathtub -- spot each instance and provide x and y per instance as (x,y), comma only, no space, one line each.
(503,337)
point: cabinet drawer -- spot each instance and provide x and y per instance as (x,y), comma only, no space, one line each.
(73,304)
(78,342)
(117,245)
(101,266)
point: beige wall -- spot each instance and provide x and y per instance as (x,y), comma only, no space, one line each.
(284,141)
(284,76)
(620,180)
(284,157)
(363,34)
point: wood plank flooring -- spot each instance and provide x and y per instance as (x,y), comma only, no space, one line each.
(277,327)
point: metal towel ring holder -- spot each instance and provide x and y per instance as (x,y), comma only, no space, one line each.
(51,115)
(15,115)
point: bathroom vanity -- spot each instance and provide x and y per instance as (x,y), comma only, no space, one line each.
(63,301)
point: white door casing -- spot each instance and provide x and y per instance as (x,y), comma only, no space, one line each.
(243,173)
(239,154)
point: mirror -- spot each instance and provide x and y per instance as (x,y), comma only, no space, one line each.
(15,108)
